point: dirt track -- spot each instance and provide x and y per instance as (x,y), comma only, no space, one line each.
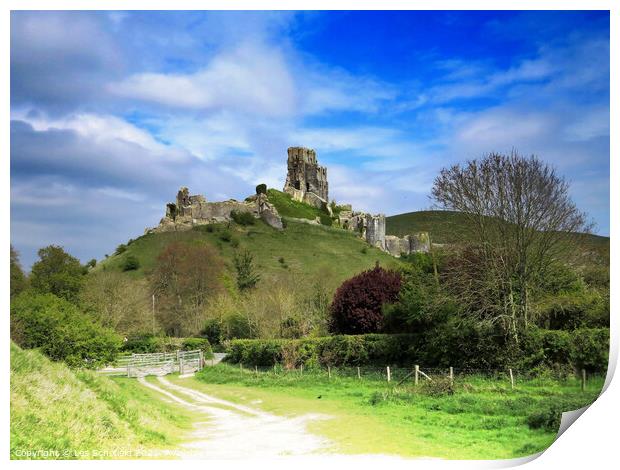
(232,431)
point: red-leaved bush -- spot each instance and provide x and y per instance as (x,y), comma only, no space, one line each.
(356,308)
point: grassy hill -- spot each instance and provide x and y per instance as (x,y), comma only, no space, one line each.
(452,227)
(54,408)
(302,249)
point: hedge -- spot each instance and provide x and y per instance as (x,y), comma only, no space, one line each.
(582,348)
(153,344)
(61,331)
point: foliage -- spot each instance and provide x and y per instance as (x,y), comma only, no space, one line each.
(120,249)
(261,189)
(329,350)
(570,310)
(358,302)
(131,263)
(247,277)
(185,278)
(243,218)
(192,344)
(523,219)
(92,263)
(470,345)
(586,348)
(212,330)
(58,273)
(61,331)
(148,343)
(118,302)
(18,278)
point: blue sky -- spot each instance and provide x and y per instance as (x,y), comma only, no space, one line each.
(111,112)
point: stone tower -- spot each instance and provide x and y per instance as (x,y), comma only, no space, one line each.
(306,180)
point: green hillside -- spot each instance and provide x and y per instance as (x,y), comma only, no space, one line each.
(453,227)
(302,249)
(54,408)
(443,226)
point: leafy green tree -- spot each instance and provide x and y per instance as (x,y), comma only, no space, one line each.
(61,331)
(18,278)
(247,277)
(58,273)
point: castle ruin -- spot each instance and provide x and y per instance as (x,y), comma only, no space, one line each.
(306,181)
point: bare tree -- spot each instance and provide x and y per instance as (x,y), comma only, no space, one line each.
(522,219)
(185,277)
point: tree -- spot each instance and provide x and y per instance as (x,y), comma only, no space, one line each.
(247,277)
(18,278)
(358,302)
(522,219)
(118,302)
(185,277)
(58,273)
(61,331)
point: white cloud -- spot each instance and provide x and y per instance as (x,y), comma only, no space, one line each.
(251,78)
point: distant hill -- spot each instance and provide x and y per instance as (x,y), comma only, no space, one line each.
(453,227)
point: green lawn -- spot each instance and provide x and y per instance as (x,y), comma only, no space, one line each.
(483,419)
(80,414)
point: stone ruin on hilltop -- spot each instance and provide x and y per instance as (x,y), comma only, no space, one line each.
(306,181)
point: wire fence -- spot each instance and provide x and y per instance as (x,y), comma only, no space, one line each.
(416,374)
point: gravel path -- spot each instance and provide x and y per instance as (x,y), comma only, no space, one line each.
(232,431)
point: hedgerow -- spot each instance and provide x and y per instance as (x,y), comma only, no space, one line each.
(585,348)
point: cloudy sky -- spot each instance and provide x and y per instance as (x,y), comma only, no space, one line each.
(111,112)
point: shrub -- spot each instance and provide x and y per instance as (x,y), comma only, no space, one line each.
(548,418)
(131,263)
(242,218)
(358,302)
(120,249)
(342,350)
(590,349)
(61,331)
(586,348)
(191,344)
(225,235)
(212,330)
(247,277)
(261,189)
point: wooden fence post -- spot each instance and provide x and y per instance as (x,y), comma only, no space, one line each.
(389,377)
(181,366)
(417,374)
(583,379)
(329,372)
(451,376)
(359,375)
(241,367)
(256,370)
(512,380)
(301,369)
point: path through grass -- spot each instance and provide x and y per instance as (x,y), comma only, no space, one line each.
(483,419)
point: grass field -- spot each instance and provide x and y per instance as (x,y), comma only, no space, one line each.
(302,250)
(483,419)
(60,413)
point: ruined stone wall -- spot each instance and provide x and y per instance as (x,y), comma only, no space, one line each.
(190,210)
(375,230)
(305,175)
